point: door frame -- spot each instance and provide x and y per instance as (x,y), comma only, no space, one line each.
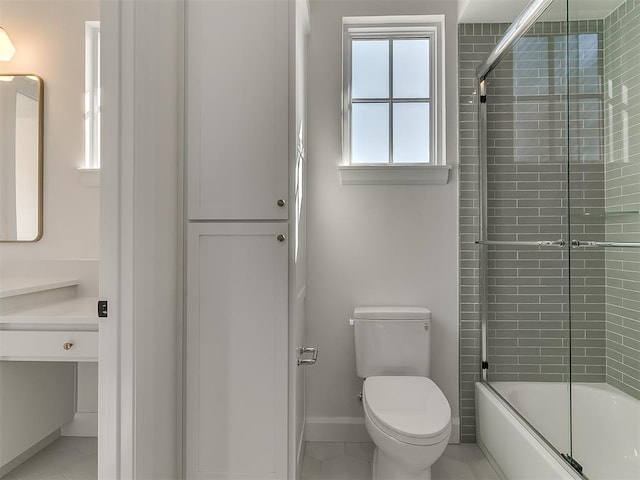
(140,256)
(109,375)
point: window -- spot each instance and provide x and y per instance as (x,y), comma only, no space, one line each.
(92,96)
(393,93)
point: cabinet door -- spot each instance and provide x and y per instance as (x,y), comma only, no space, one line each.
(236,363)
(237,108)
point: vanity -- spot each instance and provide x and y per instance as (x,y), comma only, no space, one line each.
(41,319)
(46,332)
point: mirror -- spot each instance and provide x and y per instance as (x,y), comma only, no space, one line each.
(21,141)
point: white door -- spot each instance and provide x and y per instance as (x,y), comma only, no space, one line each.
(109,354)
(237,83)
(236,364)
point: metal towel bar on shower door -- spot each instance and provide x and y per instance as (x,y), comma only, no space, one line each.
(538,243)
(592,244)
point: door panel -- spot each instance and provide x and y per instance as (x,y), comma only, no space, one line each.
(237,118)
(236,372)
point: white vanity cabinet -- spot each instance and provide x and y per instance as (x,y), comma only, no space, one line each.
(237,353)
(44,330)
(41,320)
(237,90)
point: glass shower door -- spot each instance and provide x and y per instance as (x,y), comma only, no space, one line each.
(604,187)
(524,253)
(559,247)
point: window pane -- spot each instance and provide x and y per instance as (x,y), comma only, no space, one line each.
(370,69)
(370,133)
(411,68)
(411,133)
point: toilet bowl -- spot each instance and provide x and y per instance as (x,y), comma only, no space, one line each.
(409,420)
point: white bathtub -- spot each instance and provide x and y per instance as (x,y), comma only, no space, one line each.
(606,426)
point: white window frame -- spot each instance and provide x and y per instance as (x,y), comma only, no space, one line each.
(397,27)
(92,96)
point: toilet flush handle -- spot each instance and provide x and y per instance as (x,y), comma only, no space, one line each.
(307,361)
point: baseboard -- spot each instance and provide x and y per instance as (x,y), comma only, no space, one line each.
(336,429)
(352,429)
(83,424)
(455,430)
(30,452)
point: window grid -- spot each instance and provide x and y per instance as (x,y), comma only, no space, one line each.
(391,100)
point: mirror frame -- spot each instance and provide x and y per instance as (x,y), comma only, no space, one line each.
(40,156)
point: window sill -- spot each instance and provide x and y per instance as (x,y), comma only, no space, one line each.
(89,177)
(404,174)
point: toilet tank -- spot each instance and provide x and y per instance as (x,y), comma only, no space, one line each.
(392,341)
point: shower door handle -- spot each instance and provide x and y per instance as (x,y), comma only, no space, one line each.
(592,244)
(307,361)
(536,243)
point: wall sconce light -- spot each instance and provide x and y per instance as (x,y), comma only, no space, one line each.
(7,50)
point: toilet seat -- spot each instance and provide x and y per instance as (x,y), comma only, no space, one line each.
(412,410)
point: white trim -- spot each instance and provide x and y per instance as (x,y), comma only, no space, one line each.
(352,429)
(336,429)
(149,237)
(394,174)
(393,20)
(455,430)
(89,177)
(109,378)
(137,411)
(83,424)
(30,452)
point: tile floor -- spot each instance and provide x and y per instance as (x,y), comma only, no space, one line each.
(68,458)
(75,458)
(352,461)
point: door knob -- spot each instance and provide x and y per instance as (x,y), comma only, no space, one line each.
(281,203)
(281,238)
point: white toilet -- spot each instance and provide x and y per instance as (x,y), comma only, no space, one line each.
(405,413)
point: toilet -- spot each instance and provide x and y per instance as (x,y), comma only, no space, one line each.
(405,413)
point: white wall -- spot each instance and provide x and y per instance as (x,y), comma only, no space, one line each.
(49,41)
(373,245)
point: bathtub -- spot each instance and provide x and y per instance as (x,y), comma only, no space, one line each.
(606,424)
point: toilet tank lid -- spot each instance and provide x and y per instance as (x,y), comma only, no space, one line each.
(391,313)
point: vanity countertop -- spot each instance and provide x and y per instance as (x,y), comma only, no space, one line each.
(78,313)
(11,287)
